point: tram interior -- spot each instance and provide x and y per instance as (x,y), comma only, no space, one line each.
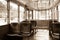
(29,19)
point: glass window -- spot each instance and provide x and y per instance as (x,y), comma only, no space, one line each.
(43,15)
(22,13)
(3,12)
(49,14)
(13,12)
(59,12)
(54,13)
(30,14)
(37,15)
(34,15)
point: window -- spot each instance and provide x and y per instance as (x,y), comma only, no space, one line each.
(22,13)
(30,15)
(59,12)
(3,12)
(39,15)
(49,14)
(13,12)
(34,15)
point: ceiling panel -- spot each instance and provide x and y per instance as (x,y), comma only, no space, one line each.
(38,4)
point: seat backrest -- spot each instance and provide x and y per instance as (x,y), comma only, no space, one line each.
(13,27)
(25,27)
(34,23)
(14,24)
(56,27)
(3,30)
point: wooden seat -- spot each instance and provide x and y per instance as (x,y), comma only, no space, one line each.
(34,23)
(25,28)
(56,29)
(3,30)
(12,28)
(50,26)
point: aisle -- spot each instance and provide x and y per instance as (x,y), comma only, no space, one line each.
(42,34)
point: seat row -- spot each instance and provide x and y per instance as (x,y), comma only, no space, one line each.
(54,29)
(26,27)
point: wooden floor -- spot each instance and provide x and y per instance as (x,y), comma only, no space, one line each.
(42,34)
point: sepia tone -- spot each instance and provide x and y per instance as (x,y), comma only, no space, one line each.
(29,19)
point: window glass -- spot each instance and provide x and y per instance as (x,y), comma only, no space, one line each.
(45,15)
(13,12)
(37,15)
(49,14)
(34,15)
(3,12)
(30,14)
(42,15)
(22,13)
(59,12)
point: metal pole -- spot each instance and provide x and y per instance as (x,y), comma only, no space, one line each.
(49,10)
(32,14)
(45,13)
(57,13)
(18,14)
(18,28)
(38,15)
(29,15)
(8,11)
(54,14)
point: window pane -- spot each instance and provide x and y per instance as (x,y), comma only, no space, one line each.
(34,15)
(13,12)
(3,12)
(42,15)
(22,14)
(59,12)
(37,15)
(30,15)
(49,14)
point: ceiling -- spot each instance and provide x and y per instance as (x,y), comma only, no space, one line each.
(40,4)
(2,7)
(36,4)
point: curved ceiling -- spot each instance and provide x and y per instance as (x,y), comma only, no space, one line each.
(40,4)
(2,7)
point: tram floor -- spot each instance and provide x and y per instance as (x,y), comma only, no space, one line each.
(41,34)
